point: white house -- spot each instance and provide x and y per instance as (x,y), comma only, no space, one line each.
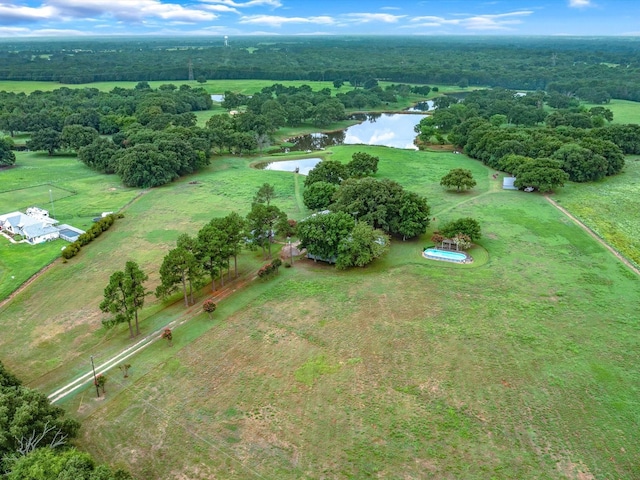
(34,229)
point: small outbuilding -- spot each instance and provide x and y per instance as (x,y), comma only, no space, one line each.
(508,183)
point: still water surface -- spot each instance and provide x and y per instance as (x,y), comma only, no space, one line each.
(390,130)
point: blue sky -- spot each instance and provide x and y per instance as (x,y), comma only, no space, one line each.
(66,18)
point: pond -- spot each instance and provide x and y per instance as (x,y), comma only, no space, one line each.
(386,129)
(302,166)
(421,107)
(217,97)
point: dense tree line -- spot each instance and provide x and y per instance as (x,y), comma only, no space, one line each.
(153,137)
(595,69)
(515,133)
(35,438)
(105,112)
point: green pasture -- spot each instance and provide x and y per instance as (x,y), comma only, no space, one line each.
(71,192)
(624,111)
(246,87)
(505,371)
(521,365)
(610,208)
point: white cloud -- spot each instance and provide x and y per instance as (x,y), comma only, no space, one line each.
(11,14)
(501,21)
(45,32)
(580,3)
(374,17)
(221,9)
(278,21)
(251,3)
(13,31)
(127,10)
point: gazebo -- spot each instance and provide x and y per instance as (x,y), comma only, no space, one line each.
(449,244)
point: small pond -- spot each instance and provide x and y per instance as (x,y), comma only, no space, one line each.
(421,107)
(386,129)
(302,166)
(217,97)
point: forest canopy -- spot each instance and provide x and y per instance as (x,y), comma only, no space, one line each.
(594,69)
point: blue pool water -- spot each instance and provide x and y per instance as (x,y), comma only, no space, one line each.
(445,255)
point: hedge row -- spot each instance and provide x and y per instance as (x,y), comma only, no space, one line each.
(95,231)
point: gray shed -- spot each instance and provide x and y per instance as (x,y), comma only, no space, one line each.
(507,183)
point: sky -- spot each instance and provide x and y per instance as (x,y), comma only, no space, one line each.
(71,18)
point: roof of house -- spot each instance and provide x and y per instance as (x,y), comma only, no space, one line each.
(38,230)
(28,226)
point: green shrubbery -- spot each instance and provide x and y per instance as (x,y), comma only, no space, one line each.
(94,232)
(270,269)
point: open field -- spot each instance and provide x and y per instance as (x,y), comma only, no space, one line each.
(624,111)
(610,208)
(507,369)
(246,87)
(78,195)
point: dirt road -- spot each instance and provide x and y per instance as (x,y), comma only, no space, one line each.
(593,234)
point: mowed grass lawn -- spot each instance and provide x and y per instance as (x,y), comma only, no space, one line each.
(522,366)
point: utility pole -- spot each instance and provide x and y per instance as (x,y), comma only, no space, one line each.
(95,379)
(53,210)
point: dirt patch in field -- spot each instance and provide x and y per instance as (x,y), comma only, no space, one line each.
(574,471)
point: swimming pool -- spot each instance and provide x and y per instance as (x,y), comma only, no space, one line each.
(446,255)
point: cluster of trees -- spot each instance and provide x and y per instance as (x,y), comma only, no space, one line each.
(210,251)
(323,181)
(335,237)
(153,140)
(500,106)
(574,144)
(35,438)
(383,204)
(278,106)
(146,158)
(593,69)
(105,112)
(207,253)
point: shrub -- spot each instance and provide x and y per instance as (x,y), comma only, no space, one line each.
(209,306)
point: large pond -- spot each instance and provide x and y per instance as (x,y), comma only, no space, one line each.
(386,129)
(302,166)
